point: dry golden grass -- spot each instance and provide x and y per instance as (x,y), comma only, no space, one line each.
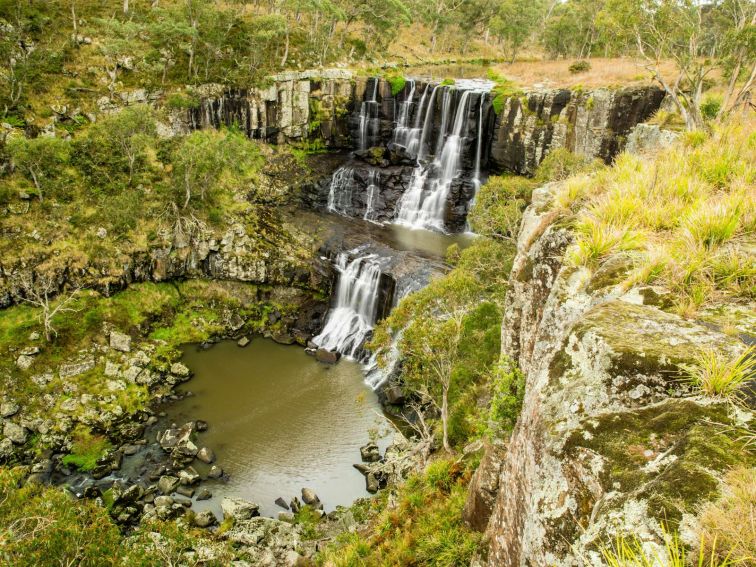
(728,525)
(604,72)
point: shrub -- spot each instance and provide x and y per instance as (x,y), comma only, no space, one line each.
(580,67)
(397,83)
(508,390)
(710,106)
(722,376)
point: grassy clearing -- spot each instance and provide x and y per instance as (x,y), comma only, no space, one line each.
(685,220)
(425,528)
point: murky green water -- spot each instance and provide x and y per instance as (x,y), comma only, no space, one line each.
(279,421)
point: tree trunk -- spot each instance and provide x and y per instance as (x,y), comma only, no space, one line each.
(445,417)
(125,6)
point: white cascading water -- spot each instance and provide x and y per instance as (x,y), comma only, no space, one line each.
(353,316)
(373,186)
(403,131)
(425,208)
(340,191)
(366,111)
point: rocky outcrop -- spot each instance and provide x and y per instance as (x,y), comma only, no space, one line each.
(592,123)
(610,438)
(294,108)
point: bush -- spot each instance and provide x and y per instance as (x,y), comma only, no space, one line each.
(397,83)
(86,450)
(580,67)
(508,390)
(710,106)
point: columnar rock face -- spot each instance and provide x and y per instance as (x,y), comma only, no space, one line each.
(295,107)
(592,123)
(610,439)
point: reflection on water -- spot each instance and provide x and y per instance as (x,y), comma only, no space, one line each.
(279,421)
(427,243)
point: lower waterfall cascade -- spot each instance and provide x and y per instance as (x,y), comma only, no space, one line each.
(353,316)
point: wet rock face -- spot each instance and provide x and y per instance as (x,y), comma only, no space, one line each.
(594,124)
(610,439)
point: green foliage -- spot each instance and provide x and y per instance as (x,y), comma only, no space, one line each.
(86,449)
(503,90)
(499,205)
(710,106)
(581,66)
(41,526)
(561,164)
(41,159)
(507,392)
(425,528)
(447,82)
(397,83)
(514,21)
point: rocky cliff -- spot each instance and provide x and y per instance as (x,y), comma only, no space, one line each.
(610,440)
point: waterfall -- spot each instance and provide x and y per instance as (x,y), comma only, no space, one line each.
(421,208)
(479,145)
(427,126)
(402,132)
(352,318)
(412,141)
(366,112)
(340,191)
(373,184)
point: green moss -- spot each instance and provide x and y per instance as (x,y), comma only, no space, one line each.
(397,83)
(86,450)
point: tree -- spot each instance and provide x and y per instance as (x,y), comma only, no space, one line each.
(206,157)
(40,292)
(430,342)
(131,131)
(514,22)
(40,158)
(698,37)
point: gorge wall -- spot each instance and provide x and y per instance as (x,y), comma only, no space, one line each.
(611,439)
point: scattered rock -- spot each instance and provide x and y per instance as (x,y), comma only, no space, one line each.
(239,509)
(120,341)
(204,494)
(370,453)
(163,501)
(200,425)
(69,370)
(6,448)
(309,497)
(30,351)
(180,369)
(242,342)
(189,476)
(15,432)
(206,455)
(168,484)
(205,519)
(24,362)
(282,503)
(185,502)
(102,232)
(327,356)
(185,491)
(286,516)
(371,483)
(7,409)
(215,472)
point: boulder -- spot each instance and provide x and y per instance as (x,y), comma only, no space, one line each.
(188,476)
(327,356)
(8,409)
(370,452)
(394,395)
(166,501)
(371,483)
(168,484)
(76,369)
(309,497)
(282,503)
(120,341)
(206,455)
(215,472)
(239,509)
(6,448)
(180,369)
(24,362)
(185,491)
(244,341)
(205,519)
(15,432)
(204,494)
(484,487)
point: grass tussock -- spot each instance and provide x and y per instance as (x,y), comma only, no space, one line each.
(685,221)
(719,375)
(728,525)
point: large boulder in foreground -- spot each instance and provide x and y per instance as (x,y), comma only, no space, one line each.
(239,509)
